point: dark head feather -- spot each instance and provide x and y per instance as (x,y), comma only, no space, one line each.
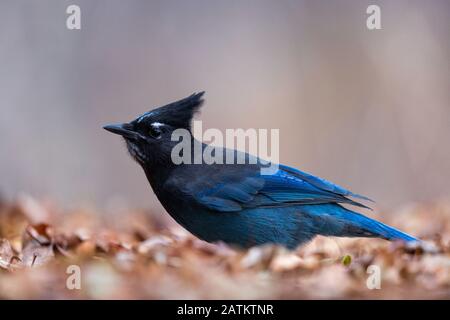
(178,114)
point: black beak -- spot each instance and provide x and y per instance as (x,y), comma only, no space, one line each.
(123,129)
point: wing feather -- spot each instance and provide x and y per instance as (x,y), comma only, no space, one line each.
(230,192)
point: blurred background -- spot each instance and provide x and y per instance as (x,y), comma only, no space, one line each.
(369,110)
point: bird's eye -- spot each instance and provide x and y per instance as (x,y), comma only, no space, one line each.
(155,132)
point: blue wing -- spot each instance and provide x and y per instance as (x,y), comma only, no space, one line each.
(240,189)
(322,183)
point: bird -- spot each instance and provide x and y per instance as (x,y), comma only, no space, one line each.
(234,203)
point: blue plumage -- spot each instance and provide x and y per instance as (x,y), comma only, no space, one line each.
(235,203)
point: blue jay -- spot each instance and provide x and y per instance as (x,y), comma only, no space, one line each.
(236,203)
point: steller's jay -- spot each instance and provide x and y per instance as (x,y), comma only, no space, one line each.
(235,203)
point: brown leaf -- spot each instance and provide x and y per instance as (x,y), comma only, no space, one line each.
(86,249)
(35,254)
(258,256)
(40,233)
(286,262)
(153,243)
(12,224)
(6,254)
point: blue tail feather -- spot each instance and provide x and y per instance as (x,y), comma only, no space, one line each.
(382,230)
(335,220)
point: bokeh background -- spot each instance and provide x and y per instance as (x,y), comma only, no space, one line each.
(369,110)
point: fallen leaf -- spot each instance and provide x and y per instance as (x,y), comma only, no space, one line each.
(35,254)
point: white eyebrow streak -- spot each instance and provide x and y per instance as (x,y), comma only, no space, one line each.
(147,115)
(143,117)
(157,124)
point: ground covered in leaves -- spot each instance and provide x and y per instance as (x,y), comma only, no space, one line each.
(130,254)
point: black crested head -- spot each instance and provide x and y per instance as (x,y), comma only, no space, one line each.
(177,114)
(149,137)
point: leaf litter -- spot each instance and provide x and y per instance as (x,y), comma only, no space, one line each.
(138,254)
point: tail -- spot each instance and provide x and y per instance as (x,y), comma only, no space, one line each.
(335,220)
